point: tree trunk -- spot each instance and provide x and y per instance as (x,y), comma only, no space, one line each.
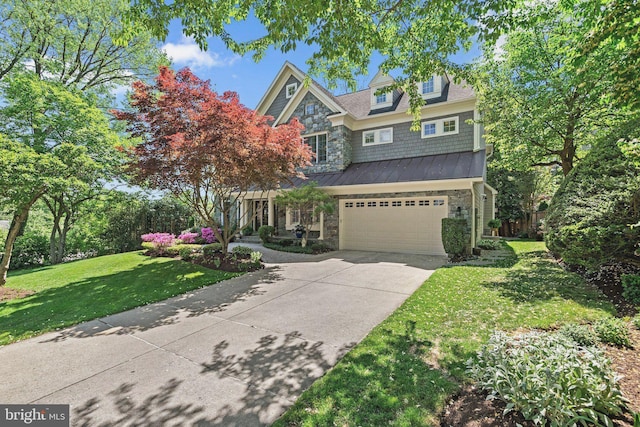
(19,219)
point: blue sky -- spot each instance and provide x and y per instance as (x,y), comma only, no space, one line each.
(228,71)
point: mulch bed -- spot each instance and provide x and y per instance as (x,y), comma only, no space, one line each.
(7,293)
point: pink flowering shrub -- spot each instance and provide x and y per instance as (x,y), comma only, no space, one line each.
(207,235)
(159,240)
(188,237)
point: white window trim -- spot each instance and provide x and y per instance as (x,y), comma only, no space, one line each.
(437,88)
(440,127)
(290,225)
(315,160)
(374,100)
(290,94)
(376,137)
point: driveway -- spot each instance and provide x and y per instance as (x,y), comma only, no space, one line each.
(235,353)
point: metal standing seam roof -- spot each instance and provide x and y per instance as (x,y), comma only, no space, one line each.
(467,164)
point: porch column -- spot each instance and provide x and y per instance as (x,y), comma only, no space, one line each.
(321,226)
(271,221)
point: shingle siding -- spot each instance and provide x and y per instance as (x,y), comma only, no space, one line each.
(281,100)
(408,143)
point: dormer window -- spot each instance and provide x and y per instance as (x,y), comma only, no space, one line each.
(431,88)
(381,99)
(291,89)
(428,86)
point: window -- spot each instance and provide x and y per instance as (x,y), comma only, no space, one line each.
(449,126)
(384,204)
(381,99)
(291,89)
(348,205)
(310,109)
(423,203)
(359,204)
(295,216)
(379,136)
(410,203)
(431,88)
(318,144)
(438,202)
(428,86)
(396,203)
(428,129)
(371,204)
(439,127)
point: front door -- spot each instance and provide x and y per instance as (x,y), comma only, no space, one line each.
(261,211)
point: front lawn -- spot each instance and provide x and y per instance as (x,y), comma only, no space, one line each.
(404,370)
(67,294)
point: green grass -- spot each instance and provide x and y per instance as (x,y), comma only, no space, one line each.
(67,294)
(402,373)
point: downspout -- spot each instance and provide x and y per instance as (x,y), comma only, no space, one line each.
(473,215)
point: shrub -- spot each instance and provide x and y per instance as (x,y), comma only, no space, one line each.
(320,247)
(211,249)
(614,331)
(247,231)
(30,249)
(188,237)
(454,236)
(548,377)
(293,249)
(631,288)
(636,321)
(587,220)
(148,246)
(242,250)
(207,235)
(286,242)
(494,223)
(581,334)
(159,240)
(488,244)
(265,232)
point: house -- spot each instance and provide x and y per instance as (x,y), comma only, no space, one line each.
(392,185)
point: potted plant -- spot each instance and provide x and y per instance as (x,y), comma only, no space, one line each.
(494,224)
(299,230)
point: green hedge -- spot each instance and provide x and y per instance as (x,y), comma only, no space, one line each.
(454,236)
(588,221)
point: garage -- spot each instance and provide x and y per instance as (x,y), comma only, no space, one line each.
(405,225)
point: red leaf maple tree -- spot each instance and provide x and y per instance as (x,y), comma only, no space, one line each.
(207,149)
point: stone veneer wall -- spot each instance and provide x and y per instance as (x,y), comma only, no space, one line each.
(339,152)
(456,198)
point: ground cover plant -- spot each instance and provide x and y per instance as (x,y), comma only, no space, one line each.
(404,371)
(67,294)
(287,245)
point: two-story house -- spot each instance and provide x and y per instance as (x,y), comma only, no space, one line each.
(392,185)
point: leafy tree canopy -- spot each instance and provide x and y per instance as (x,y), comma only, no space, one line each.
(70,41)
(205,148)
(541,107)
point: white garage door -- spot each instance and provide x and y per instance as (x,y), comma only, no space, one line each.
(405,225)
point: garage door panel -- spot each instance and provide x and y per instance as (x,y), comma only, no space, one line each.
(409,225)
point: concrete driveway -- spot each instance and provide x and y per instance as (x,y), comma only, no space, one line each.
(236,353)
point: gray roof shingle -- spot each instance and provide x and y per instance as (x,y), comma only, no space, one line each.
(466,164)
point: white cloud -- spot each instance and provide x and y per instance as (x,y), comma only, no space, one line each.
(186,52)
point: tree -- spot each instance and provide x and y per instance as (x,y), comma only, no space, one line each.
(539,109)
(207,149)
(414,36)
(70,41)
(588,219)
(26,175)
(310,201)
(64,137)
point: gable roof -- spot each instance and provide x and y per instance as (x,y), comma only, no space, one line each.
(287,70)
